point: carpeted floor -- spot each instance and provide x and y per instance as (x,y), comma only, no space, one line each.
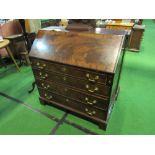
(134,112)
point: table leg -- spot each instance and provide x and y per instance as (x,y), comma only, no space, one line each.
(12,57)
(33,86)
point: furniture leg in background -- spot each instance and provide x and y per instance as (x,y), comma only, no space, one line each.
(12,57)
(4,44)
(25,58)
(33,86)
(136,38)
(18,46)
(22,23)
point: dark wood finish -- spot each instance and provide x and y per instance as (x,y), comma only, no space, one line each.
(78,72)
(126,33)
(136,37)
(25,34)
(83,85)
(50,22)
(86,50)
(79,27)
(75,94)
(18,46)
(90,22)
(31,38)
(69,103)
(102,124)
(81,24)
(111,31)
(28,37)
(134,40)
(17,43)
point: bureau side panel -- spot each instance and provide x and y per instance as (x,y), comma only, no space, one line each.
(115,86)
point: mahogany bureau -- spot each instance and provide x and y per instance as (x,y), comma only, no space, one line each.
(78,72)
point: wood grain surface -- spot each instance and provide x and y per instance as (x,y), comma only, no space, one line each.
(87,50)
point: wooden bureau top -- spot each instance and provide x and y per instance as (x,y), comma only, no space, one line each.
(87,50)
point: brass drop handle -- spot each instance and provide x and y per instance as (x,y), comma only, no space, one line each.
(90,103)
(48,97)
(91,113)
(43,77)
(45,87)
(92,80)
(39,65)
(91,90)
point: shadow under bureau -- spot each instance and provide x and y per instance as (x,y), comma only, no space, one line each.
(78,72)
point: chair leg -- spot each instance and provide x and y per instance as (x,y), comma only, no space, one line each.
(12,57)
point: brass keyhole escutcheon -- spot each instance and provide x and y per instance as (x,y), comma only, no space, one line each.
(63,69)
(67,100)
(66,89)
(64,78)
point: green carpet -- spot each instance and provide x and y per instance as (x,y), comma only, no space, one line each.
(133,112)
(17,119)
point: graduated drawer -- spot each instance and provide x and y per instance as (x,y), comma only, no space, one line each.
(74,105)
(83,85)
(82,97)
(95,77)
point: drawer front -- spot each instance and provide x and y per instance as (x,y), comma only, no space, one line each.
(75,105)
(88,87)
(69,70)
(85,98)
